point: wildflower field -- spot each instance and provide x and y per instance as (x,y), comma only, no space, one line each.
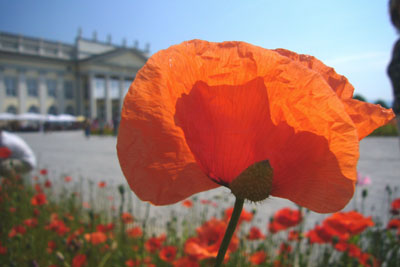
(49,221)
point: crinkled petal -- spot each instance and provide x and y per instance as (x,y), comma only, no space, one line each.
(367,117)
(200,108)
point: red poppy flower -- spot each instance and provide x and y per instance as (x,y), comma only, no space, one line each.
(325,234)
(105,228)
(57,225)
(3,250)
(79,260)
(31,222)
(51,246)
(351,222)
(294,236)
(43,171)
(127,217)
(39,199)
(96,238)
(153,244)
(285,248)
(255,234)
(187,203)
(244,216)
(134,232)
(394,224)
(38,189)
(102,184)
(5,152)
(284,219)
(168,253)
(47,184)
(226,106)
(396,205)
(132,263)
(67,179)
(19,229)
(258,258)
(186,262)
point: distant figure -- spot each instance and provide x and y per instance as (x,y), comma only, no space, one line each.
(87,128)
(115,123)
(394,66)
(16,155)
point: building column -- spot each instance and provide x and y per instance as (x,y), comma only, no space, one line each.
(42,93)
(121,92)
(60,93)
(22,93)
(92,96)
(2,91)
(108,102)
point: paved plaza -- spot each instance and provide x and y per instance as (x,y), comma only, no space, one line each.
(70,153)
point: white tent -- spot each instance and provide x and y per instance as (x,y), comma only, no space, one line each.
(30,117)
(7,117)
(66,118)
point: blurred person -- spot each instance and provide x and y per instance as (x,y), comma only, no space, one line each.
(16,155)
(394,65)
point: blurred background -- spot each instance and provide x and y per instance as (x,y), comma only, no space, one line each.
(79,58)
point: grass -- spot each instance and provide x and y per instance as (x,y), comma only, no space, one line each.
(49,222)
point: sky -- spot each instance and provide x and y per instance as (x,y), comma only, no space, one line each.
(354,37)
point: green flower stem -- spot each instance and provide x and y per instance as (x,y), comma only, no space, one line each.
(237,210)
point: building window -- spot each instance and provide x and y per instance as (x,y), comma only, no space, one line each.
(52,110)
(114,89)
(51,88)
(33,109)
(68,90)
(12,109)
(32,85)
(100,89)
(11,85)
(70,110)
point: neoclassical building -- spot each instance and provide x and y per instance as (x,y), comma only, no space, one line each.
(88,78)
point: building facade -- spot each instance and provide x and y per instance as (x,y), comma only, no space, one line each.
(88,78)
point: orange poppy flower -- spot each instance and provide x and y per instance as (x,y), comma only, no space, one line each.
(187,203)
(96,237)
(102,184)
(208,240)
(135,232)
(198,114)
(244,215)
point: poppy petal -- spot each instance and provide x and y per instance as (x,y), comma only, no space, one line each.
(203,109)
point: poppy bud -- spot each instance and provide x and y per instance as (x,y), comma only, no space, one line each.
(254,183)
